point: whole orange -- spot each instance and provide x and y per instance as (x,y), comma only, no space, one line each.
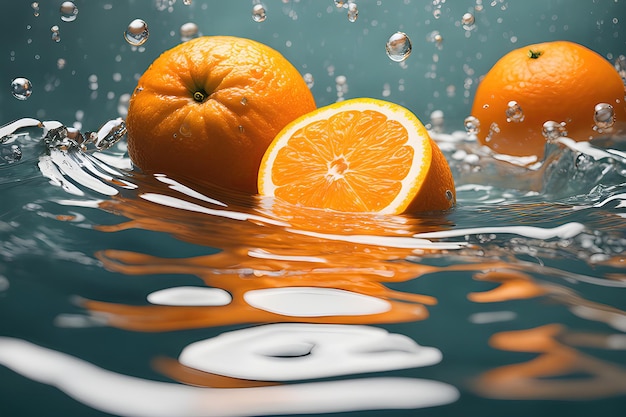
(556,81)
(207,109)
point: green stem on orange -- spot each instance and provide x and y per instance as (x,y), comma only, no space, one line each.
(200,95)
(534,54)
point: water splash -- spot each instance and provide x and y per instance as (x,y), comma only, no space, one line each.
(258,13)
(603,117)
(552,130)
(514,112)
(472,125)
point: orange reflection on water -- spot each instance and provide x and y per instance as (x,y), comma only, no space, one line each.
(513,285)
(558,372)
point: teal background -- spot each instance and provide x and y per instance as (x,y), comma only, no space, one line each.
(314,35)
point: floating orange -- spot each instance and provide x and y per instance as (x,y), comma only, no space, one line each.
(556,81)
(359,155)
(207,109)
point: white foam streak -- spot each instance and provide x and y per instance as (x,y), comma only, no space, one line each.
(175,185)
(564,231)
(263,254)
(128,396)
(386,241)
(12,127)
(186,205)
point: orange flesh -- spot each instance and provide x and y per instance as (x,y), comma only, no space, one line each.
(336,163)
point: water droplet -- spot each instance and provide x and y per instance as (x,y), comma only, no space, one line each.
(437,120)
(258,13)
(398,47)
(514,112)
(620,66)
(55,33)
(21,88)
(61,63)
(187,2)
(35,6)
(353,11)
(308,79)
(243,101)
(437,13)
(435,37)
(552,130)
(467,21)
(603,116)
(340,3)
(137,32)
(69,11)
(472,125)
(188,31)
(449,195)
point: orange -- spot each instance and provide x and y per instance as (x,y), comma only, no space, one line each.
(556,81)
(359,155)
(207,109)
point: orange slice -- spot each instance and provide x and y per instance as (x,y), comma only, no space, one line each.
(359,155)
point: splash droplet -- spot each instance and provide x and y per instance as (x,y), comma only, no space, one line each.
(258,13)
(188,31)
(472,125)
(353,11)
(69,11)
(603,116)
(467,21)
(136,33)
(552,130)
(21,88)
(56,36)
(398,47)
(435,37)
(514,112)
(340,3)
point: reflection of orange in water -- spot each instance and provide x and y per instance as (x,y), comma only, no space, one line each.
(514,285)
(540,378)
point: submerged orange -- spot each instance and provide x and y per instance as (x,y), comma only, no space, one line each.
(207,109)
(359,155)
(556,81)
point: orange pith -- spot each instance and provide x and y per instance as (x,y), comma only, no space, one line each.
(360,155)
(207,109)
(556,81)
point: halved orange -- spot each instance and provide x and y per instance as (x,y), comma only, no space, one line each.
(359,155)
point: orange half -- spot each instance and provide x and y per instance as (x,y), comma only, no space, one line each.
(359,155)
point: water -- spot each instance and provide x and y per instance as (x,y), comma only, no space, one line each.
(137,32)
(398,47)
(130,294)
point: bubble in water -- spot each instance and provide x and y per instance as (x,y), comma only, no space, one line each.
(35,6)
(21,88)
(10,154)
(61,63)
(467,21)
(552,130)
(398,47)
(69,11)
(188,31)
(435,37)
(187,2)
(56,36)
(258,13)
(472,125)
(353,11)
(340,3)
(620,66)
(603,116)
(437,120)
(514,112)
(136,33)
(308,79)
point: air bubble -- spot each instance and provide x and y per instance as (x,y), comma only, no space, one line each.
(552,130)
(55,33)
(258,13)
(35,6)
(21,88)
(514,112)
(472,125)
(353,11)
(603,116)
(69,11)
(398,47)
(136,33)
(467,21)
(188,31)
(435,37)
(308,79)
